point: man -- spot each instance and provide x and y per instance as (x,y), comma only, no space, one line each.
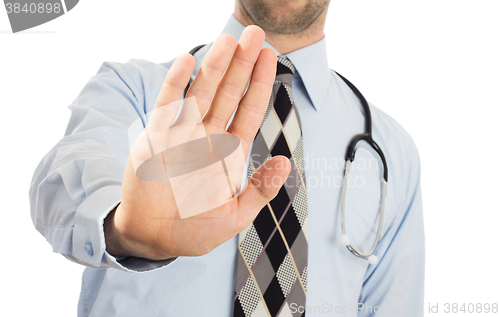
(272,250)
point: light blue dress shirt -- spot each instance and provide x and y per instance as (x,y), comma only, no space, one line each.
(79,182)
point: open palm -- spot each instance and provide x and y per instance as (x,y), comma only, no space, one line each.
(181,191)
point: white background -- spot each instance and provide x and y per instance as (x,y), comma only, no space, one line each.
(432,65)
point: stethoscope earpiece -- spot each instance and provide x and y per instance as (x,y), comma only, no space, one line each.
(372,259)
(344,239)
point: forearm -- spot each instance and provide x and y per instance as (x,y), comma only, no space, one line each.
(78,183)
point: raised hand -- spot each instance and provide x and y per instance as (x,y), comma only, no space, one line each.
(174,203)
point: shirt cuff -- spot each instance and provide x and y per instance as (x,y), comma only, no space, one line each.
(89,246)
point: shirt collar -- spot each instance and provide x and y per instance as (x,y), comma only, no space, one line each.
(310,62)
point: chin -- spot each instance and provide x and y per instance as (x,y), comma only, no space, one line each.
(285,4)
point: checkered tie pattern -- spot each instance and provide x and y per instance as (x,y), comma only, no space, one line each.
(272,257)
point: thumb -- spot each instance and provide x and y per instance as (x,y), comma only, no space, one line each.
(262,188)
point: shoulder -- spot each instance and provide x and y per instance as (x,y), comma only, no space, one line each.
(393,139)
(401,153)
(393,134)
(139,78)
(383,123)
(136,70)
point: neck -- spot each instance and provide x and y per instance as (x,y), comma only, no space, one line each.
(286,43)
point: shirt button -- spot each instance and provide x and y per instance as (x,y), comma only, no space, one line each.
(88,248)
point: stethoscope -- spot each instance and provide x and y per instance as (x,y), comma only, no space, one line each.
(350,154)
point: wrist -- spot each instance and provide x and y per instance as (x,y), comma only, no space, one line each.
(112,236)
(120,243)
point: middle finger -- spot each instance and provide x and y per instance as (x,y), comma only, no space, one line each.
(232,85)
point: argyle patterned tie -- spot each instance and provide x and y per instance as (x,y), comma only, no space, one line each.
(272,259)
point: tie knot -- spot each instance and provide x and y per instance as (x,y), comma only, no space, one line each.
(284,71)
(284,66)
